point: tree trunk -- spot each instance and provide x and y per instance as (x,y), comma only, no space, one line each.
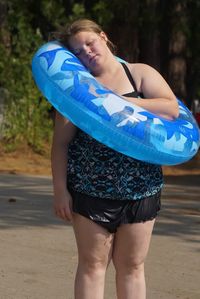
(124,30)
(149,34)
(177,51)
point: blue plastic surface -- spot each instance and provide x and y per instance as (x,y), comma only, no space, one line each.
(107,117)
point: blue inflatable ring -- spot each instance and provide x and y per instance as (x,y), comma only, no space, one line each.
(107,117)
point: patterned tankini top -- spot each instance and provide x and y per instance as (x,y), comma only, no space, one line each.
(99,171)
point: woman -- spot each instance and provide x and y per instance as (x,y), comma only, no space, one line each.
(112,200)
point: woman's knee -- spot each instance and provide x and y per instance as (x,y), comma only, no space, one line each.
(93,264)
(129,265)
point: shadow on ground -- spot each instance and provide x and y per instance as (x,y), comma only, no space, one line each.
(27,201)
(180,214)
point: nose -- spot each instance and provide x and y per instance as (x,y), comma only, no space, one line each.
(87,50)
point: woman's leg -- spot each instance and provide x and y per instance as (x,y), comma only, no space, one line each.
(130,249)
(94,245)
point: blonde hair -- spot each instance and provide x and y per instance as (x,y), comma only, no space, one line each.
(80,25)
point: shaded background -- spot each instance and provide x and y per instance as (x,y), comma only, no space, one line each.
(162,33)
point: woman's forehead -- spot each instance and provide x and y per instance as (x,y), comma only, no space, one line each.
(81,37)
(83,34)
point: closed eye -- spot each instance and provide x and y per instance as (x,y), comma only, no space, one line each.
(78,52)
(90,43)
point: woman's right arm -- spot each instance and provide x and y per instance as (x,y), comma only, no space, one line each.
(64,132)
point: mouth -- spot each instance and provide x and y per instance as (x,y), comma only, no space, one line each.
(93,58)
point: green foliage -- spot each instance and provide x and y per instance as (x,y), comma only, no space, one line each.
(25,116)
(26,113)
(102,12)
(78,11)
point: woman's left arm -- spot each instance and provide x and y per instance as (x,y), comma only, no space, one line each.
(158,96)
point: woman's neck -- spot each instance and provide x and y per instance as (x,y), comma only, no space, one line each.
(111,75)
(107,67)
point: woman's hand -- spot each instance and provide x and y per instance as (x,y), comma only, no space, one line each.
(141,103)
(63,206)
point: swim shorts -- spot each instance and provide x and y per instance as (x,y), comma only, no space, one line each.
(110,213)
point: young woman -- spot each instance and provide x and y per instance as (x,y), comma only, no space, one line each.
(111,199)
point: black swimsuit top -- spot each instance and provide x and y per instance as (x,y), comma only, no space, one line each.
(134,93)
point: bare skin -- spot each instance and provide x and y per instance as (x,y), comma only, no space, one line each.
(128,247)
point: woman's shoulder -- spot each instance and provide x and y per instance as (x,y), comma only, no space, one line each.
(140,67)
(142,71)
(138,71)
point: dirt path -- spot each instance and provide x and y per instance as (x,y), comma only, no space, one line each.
(27,162)
(38,252)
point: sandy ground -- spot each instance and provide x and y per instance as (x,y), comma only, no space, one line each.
(38,251)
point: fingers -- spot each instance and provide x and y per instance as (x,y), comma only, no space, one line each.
(64,214)
(62,206)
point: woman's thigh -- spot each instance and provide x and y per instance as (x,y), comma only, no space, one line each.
(132,243)
(94,242)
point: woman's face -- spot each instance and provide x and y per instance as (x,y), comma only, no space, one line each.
(89,47)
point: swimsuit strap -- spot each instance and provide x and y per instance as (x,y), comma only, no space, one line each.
(129,76)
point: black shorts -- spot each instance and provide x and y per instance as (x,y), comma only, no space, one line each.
(110,213)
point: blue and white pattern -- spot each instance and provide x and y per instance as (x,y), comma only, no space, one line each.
(107,117)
